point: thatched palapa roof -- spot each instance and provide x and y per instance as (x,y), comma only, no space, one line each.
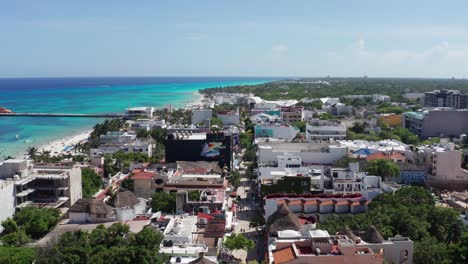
(91,206)
(283,219)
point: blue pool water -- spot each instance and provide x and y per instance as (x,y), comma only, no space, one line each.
(88,95)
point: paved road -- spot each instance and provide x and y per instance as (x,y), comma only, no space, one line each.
(246,210)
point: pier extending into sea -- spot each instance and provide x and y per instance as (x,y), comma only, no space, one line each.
(61,115)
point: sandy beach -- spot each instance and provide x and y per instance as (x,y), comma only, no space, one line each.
(57,147)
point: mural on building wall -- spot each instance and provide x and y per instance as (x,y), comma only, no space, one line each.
(211,150)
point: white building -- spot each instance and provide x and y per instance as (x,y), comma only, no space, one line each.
(117,137)
(201,115)
(137,146)
(261,118)
(181,229)
(279,131)
(229,117)
(139,111)
(310,153)
(148,124)
(325,133)
(127,206)
(24,184)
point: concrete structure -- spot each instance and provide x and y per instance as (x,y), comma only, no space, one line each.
(201,115)
(310,153)
(229,117)
(264,118)
(139,111)
(280,131)
(291,114)
(43,185)
(136,146)
(338,109)
(438,122)
(7,196)
(446,98)
(117,137)
(148,124)
(181,229)
(230,98)
(376,98)
(363,148)
(325,133)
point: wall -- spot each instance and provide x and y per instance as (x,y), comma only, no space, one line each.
(142,188)
(229,119)
(78,218)
(7,198)
(447,123)
(312,157)
(75,188)
(199,116)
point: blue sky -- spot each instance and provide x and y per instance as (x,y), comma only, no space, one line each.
(233,38)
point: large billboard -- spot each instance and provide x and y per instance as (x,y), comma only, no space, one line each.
(211,150)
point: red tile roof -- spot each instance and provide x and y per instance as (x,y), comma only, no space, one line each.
(144,175)
(378,155)
(293,202)
(283,255)
(397,156)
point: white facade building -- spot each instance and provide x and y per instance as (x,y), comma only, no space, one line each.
(325,133)
(139,111)
(279,131)
(200,115)
(310,153)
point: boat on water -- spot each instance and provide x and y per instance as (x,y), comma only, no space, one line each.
(17,136)
(3,110)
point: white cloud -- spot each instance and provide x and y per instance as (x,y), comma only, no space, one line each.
(440,60)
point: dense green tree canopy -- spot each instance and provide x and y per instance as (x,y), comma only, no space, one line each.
(106,245)
(384,168)
(238,241)
(410,212)
(91,182)
(163,201)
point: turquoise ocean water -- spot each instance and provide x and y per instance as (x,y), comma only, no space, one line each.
(87,95)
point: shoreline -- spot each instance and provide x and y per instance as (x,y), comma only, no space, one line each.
(57,147)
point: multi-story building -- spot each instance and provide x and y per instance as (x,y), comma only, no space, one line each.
(139,112)
(187,146)
(229,117)
(446,98)
(310,153)
(325,133)
(438,122)
(201,115)
(136,146)
(280,131)
(443,164)
(338,109)
(117,137)
(43,185)
(291,114)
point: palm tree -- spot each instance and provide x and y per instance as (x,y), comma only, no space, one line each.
(32,152)
(455,233)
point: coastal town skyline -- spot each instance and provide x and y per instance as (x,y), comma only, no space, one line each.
(209,38)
